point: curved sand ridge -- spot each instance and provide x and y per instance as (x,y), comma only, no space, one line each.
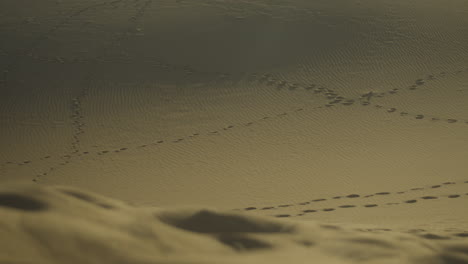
(57,221)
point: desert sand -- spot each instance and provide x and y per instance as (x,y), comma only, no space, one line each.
(233,131)
(67,225)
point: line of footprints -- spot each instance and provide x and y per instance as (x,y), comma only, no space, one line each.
(329,95)
(315,202)
(77,117)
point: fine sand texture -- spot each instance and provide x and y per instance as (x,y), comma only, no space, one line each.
(352,113)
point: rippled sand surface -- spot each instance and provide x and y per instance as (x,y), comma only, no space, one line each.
(345,112)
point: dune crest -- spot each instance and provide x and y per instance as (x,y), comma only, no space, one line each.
(67,225)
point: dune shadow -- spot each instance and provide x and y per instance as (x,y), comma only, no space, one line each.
(207,221)
(242,242)
(21,202)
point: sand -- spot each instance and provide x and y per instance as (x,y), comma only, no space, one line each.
(351,113)
(67,225)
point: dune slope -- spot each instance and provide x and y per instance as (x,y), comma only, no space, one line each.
(68,225)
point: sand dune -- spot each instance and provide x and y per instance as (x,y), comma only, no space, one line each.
(68,225)
(351,113)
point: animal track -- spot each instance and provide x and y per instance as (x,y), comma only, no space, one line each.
(418,84)
(429,197)
(77,116)
(283,215)
(331,97)
(357,196)
(376,205)
(347,206)
(326,92)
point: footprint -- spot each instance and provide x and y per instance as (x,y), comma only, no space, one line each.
(419,82)
(282,215)
(347,206)
(382,193)
(429,197)
(319,200)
